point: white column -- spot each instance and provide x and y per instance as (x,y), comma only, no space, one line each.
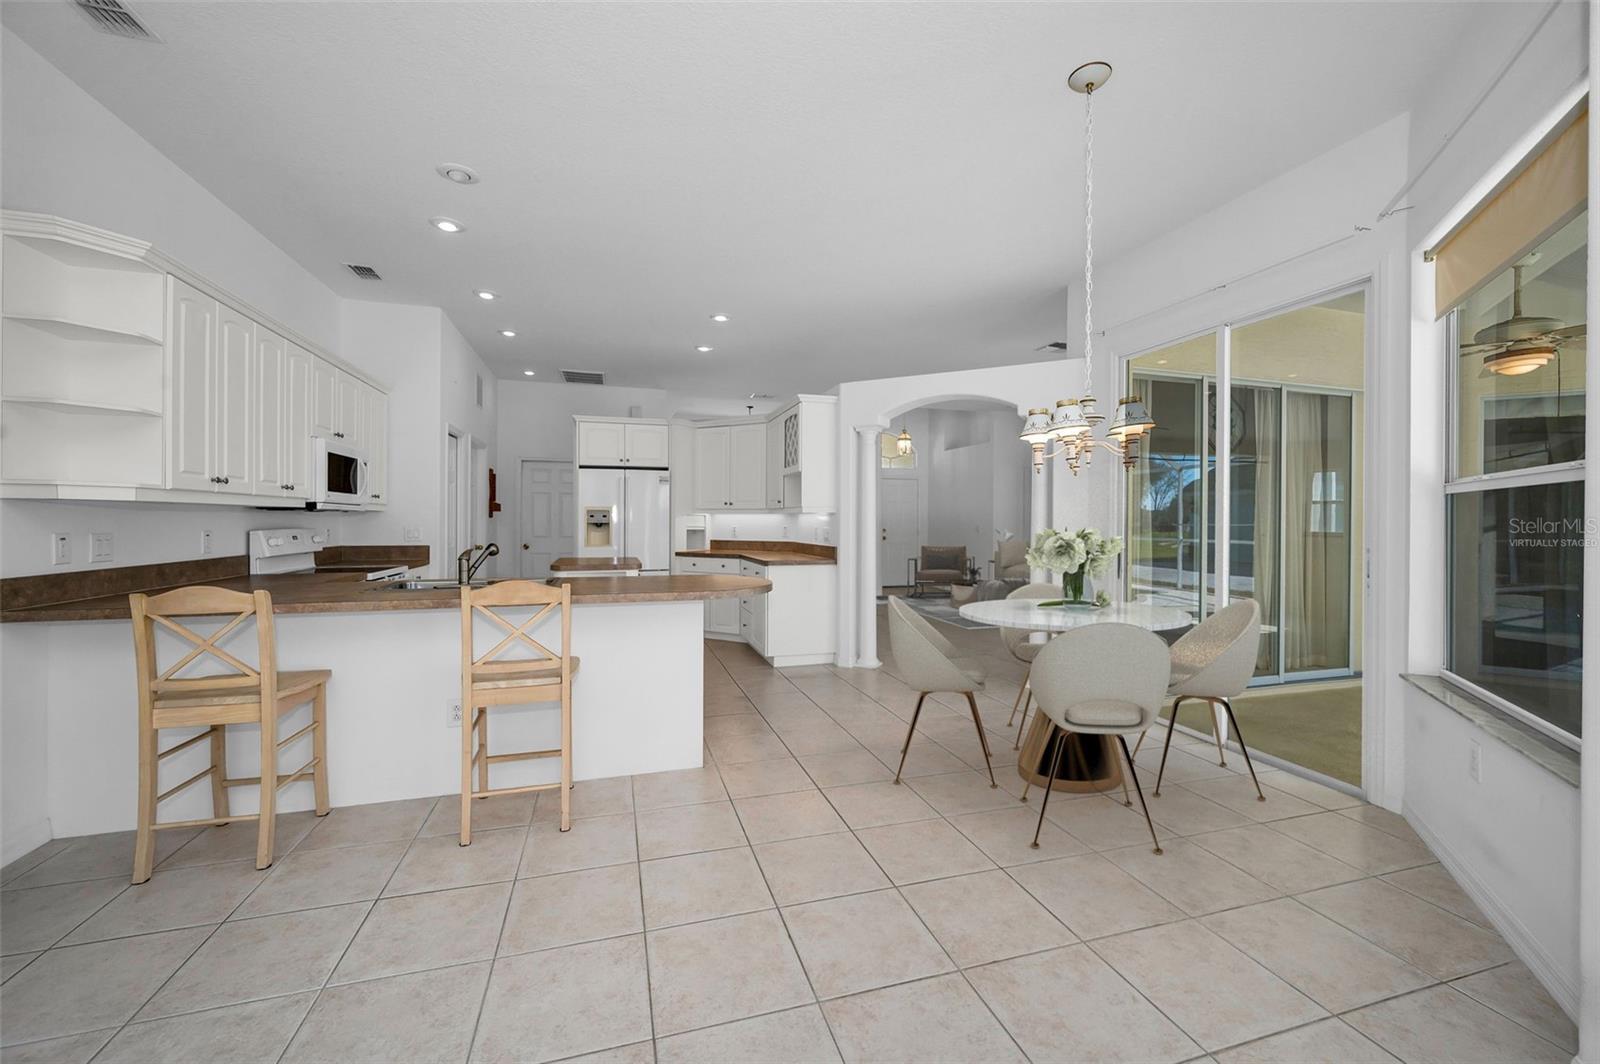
(1038,511)
(867,546)
(1589,783)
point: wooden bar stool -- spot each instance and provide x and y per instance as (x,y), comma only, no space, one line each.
(240,695)
(490,680)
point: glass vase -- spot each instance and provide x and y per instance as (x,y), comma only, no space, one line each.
(1072,586)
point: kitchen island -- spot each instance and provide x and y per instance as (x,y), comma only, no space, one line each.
(70,702)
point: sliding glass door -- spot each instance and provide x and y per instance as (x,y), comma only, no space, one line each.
(1268,417)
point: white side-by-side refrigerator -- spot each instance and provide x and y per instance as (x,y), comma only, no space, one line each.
(626,513)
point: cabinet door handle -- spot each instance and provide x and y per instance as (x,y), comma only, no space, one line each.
(377,495)
(340,435)
(216,480)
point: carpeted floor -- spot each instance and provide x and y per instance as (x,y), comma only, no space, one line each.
(1315,725)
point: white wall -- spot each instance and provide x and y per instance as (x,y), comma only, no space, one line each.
(66,154)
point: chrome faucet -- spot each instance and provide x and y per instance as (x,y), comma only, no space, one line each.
(467,567)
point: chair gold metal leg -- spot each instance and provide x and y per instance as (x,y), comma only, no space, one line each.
(1137,790)
(1171,724)
(1022,726)
(1234,723)
(983,740)
(1216,732)
(904,750)
(1016,702)
(1055,766)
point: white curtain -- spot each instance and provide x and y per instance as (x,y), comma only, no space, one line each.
(1265,591)
(1316,613)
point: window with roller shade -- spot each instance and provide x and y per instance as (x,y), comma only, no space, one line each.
(1511,285)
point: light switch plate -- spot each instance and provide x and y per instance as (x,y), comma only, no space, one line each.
(100,546)
(60,548)
(412,534)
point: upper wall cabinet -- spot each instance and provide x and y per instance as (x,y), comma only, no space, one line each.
(622,442)
(785,462)
(128,378)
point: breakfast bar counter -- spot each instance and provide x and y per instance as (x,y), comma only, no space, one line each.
(393,731)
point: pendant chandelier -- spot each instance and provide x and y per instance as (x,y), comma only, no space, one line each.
(1072,426)
(902,442)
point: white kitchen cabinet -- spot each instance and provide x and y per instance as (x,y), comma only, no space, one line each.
(190,394)
(298,369)
(376,442)
(324,398)
(807,434)
(730,467)
(350,409)
(130,379)
(747,466)
(645,444)
(601,443)
(753,610)
(234,415)
(622,442)
(722,614)
(711,455)
(775,464)
(267,465)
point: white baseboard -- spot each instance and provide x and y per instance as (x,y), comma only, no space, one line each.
(1516,934)
(22,841)
(790,661)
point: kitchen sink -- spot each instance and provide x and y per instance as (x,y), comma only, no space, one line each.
(429,585)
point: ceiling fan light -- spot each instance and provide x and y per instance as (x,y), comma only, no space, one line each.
(1518,359)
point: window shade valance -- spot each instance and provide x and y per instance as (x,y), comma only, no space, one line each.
(1546,194)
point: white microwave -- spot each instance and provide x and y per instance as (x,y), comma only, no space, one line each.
(339,476)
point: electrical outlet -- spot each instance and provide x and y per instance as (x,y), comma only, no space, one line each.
(60,548)
(735,531)
(452,713)
(1475,762)
(100,546)
(205,541)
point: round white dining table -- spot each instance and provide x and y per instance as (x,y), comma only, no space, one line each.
(1027,613)
(1092,763)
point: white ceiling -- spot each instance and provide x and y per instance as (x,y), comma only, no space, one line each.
(867,189)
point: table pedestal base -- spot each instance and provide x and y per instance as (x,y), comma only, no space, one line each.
(1089,764)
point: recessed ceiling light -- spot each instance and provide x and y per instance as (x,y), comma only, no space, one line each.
(461,175)
(447,225)
(508,333)
(527,373)
(703,349)
(485,294)
(1161,362)
(719,318)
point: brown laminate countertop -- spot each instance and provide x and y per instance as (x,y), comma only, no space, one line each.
(562,565)
(343,592)
(766,552)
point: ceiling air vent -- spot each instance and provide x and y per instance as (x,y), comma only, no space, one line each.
(112,17)
(582,376)
(366,273)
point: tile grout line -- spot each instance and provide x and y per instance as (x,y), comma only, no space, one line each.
(373,904)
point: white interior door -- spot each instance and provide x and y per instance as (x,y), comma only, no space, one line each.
(546,516)
(899,536)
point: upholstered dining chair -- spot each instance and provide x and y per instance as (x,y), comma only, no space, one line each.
(1017,644)
(1213,663)
(1103,679)
(928,662)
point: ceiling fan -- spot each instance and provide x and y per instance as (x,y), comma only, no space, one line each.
(1521,343)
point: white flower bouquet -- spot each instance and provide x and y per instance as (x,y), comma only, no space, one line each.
(1074,555)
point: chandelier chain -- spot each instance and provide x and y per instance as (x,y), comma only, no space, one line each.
(1088,243)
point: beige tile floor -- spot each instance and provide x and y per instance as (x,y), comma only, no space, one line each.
(787,902)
